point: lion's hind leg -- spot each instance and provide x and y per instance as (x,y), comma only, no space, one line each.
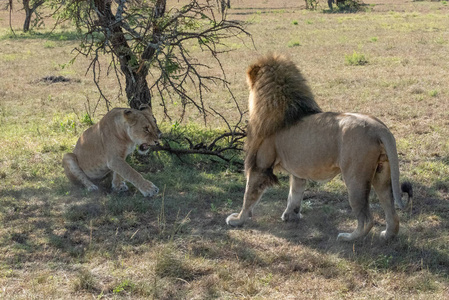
(293,210)
(382,186)
(74,172)
(358,199)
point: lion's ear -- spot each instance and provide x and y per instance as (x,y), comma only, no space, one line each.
(127,112)
(251,75)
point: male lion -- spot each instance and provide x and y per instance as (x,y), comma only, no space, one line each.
(287,130)
(104,147)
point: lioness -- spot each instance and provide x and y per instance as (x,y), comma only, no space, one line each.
(104,147)
(287,130)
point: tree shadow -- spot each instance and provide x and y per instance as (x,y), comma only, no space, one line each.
(260,10)
(51,36)
(417,247)
(72,225)
(65,223)
(444,159)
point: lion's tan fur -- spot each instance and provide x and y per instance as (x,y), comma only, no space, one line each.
(103,148)
(279,98)
(287,130)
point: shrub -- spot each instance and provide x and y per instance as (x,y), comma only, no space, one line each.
(294,43)
(433,93)
(87,120)
(49,44)
(356,59)
(85,281)
(350,5)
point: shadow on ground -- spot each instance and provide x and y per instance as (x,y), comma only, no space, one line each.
(64,224)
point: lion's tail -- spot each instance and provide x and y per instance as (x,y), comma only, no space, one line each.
(389,142)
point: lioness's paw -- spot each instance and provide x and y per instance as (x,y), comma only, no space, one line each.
(122,187)
(150,191)
(92,188)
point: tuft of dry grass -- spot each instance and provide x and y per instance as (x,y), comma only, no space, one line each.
(58,241)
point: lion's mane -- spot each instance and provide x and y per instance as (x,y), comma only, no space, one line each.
(279,98)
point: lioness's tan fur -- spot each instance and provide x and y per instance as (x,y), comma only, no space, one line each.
(287,130)
(103,148)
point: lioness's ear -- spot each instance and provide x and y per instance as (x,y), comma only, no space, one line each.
(251,75)
(144,106)
(130,116)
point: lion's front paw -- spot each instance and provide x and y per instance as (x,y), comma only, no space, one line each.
(386,235)
(150,190)
(234,220)
(344,237)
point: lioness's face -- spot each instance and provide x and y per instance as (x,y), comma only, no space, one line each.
(142,129)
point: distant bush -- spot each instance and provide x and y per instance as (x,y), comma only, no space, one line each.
(356,59)
(311,4)
(433,93)
(87,120)
(294,43)
(350,5)
(49,44)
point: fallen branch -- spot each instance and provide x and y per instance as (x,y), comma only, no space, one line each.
(212,149)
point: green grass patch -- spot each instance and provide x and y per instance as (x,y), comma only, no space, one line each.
(293,43)
(356,59)
(49,44)
(53,36)
(433,93)
(85,281)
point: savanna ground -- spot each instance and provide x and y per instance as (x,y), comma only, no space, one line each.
(59,241)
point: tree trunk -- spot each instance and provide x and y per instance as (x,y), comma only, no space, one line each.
(137,90)
(224,4)
(134,69)
(28,13)
(26,24)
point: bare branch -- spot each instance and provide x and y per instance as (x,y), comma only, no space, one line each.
(204,149)
(144,38)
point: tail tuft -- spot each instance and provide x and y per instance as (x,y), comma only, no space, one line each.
(406,187)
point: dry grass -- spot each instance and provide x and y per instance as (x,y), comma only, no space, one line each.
(58,241)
